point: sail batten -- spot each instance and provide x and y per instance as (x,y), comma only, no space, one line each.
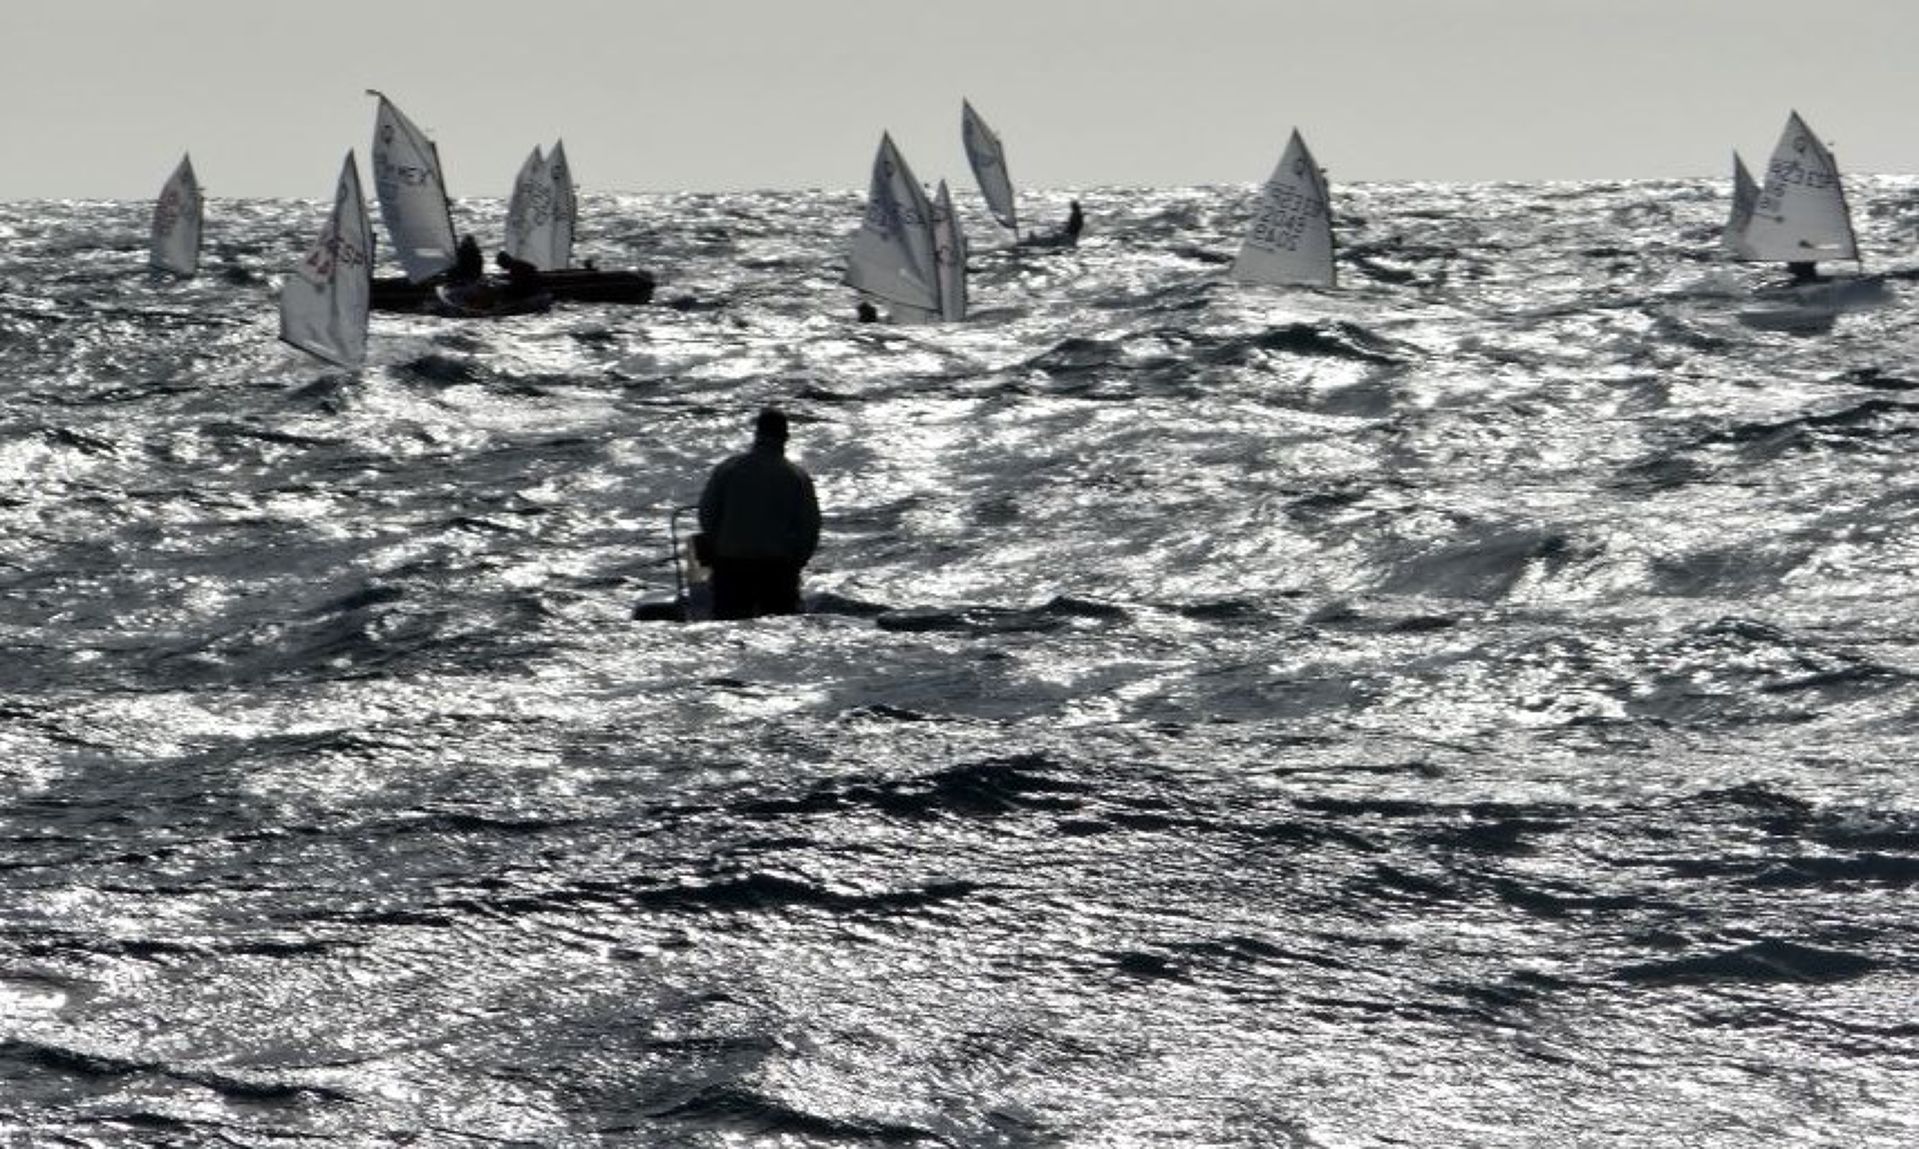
(892,257)
(1800,214)
(177,222)
(325,301)
(412,191)
(988,158)
(1290,238)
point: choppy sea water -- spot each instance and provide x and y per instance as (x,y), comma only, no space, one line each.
(1472,706)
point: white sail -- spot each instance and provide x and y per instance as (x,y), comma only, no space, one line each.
(1745,196)
(892,256)
(1290,240)
(412,189)
(949,250)
(1801,213)
(324,302)
(529,212)
(176,222)
(988,158)
(565,209)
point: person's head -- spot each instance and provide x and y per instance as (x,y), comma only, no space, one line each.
(770,427)
(502,258)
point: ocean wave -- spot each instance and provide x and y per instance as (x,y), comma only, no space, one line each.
(738,1109)
(1770,960)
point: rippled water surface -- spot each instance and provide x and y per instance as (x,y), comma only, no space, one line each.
(1472,706)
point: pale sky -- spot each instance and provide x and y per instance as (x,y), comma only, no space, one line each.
(102,96)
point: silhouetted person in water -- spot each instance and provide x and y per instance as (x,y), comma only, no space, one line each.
(522,278)
(762,523)
(469,266)
(1066,236)
(867,312)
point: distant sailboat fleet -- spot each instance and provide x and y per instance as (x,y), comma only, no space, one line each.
(909,255)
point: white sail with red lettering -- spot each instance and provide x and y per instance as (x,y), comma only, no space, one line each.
(325,300)
(1801,214)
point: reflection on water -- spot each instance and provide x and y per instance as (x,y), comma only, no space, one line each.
(1460,708)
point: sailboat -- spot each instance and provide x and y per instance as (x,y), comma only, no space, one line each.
(988,158)
(176,222)
(419,221)
(324,303)
(412,191)
(566,206)
(893,257)
(1290,239)
(949,256)
(1745,196)
(1800,215)
(529,211)
(540,214)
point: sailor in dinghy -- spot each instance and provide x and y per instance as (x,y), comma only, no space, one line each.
(1800,217)
(759,524)
(1066,236)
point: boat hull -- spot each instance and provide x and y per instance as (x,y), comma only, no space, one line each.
(485,301)
(570,285)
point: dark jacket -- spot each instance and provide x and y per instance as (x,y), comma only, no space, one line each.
(469,266)
(522,278)
(760,506)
